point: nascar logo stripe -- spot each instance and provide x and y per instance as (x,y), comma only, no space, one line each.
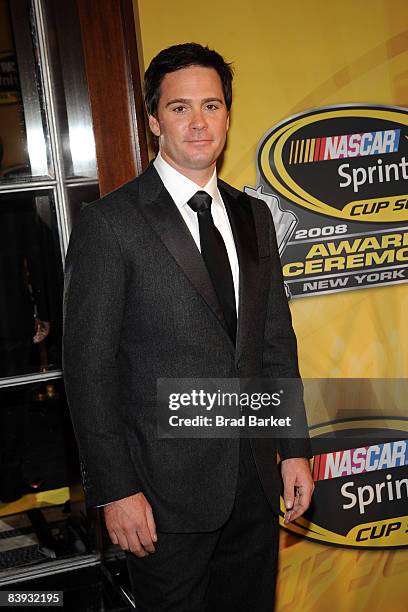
(360,460)
(344,146)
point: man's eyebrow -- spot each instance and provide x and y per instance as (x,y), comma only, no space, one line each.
(188,101)
(178,101)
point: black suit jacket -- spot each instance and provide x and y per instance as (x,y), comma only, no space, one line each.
(139,305)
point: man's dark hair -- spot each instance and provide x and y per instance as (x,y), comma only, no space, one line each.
(183,56)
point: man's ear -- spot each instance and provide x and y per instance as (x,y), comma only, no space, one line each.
(228,121)
(154,125)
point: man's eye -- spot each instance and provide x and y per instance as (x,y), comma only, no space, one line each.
(211,107)
(179,109)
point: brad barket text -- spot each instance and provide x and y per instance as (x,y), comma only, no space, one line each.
(246,420)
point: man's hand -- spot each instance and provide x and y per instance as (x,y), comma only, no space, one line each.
(297,487)
(130,524)
(42,329)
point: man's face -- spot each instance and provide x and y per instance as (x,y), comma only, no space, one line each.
(192,120)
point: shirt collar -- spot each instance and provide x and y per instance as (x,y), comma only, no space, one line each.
(182,188)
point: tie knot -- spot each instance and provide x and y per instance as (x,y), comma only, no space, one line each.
(200,201)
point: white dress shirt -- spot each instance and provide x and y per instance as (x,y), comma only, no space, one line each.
(181,190)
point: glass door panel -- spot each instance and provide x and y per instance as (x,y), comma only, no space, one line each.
(24,138)
(30,284)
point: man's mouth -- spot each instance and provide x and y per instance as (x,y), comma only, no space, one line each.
(202,141)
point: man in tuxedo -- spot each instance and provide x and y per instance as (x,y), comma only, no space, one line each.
(177,275)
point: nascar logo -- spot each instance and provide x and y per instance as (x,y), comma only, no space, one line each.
(340,147)
(361,493)
(360,460)
(319,207)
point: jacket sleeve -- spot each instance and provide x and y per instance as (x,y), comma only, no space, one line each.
(94,301)
(280,357)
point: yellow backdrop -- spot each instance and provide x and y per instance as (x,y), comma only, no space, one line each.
(290,57)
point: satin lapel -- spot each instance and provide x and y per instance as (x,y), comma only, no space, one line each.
(165,219)
(243,228)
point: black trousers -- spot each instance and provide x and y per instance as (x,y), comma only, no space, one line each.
(232,569)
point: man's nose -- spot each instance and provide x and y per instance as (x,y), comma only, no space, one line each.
(198,120)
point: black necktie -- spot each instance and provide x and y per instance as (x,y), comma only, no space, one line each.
(216,259)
